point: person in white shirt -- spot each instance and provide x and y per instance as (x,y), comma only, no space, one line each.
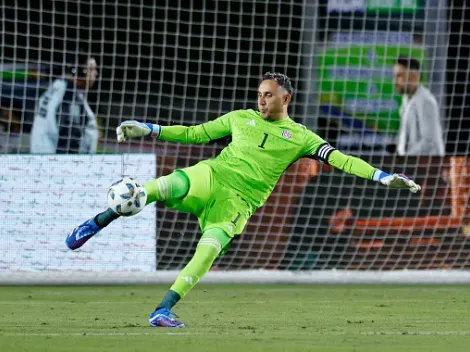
(420,125)
(64,122)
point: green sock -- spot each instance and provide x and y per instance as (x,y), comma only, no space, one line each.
(170,299)
(173,186)
(197,267)
(106,217)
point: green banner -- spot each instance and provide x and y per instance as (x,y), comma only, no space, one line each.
(373,7)
(392,6)
(356,76)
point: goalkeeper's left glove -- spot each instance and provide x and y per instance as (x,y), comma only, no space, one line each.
(132,129)
(396,181)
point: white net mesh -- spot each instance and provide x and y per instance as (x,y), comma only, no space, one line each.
(180,63)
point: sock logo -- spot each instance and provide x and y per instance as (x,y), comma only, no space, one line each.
(188,279)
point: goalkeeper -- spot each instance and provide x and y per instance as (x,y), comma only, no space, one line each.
(224,192)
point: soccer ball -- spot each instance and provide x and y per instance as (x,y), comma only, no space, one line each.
(127,197)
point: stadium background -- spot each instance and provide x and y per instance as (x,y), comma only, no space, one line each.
(188,63)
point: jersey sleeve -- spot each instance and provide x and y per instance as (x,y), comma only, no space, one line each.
(351,165)
(199,134)
(322,151)
(317,148)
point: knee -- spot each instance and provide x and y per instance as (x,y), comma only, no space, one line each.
(173,186)
(214,239)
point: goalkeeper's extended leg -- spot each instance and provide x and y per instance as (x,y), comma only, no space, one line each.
(173,186)
(207,251)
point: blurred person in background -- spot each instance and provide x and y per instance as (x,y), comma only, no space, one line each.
(420,125)
(64,122)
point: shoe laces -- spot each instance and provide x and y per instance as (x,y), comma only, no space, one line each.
(87,227)
(171,315)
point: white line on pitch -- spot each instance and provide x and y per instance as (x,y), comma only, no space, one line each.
(158,333)
(85,334)
(424,333)
(388,301)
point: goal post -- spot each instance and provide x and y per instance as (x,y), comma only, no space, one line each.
(187,63)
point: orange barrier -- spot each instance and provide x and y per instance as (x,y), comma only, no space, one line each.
(460,193)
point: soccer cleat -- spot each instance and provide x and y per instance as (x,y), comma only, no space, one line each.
(165,318)
(81,234)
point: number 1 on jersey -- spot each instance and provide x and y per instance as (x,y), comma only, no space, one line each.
(264,141)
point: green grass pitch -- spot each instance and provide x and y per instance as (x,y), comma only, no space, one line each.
(246,318)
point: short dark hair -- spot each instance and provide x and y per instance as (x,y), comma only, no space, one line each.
(409,62)
(76,63)
(280,79)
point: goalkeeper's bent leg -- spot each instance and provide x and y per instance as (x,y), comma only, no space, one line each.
(206,253)
(173,186)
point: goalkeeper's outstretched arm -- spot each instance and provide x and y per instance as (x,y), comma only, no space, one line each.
(356,166)
(198,134)
(319,149)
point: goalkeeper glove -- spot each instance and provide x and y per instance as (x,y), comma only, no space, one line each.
(396,181)
(132,129)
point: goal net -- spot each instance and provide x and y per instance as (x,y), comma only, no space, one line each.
(189,62)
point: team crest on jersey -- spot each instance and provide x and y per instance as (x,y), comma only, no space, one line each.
(286,134)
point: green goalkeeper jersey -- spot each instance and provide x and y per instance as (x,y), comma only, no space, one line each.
(260,151)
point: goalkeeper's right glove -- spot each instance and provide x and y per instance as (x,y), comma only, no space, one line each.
(132,129)
(396,181)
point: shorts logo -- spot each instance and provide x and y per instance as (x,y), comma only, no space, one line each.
(286,134)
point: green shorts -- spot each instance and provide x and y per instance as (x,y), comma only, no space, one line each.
(215,205)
